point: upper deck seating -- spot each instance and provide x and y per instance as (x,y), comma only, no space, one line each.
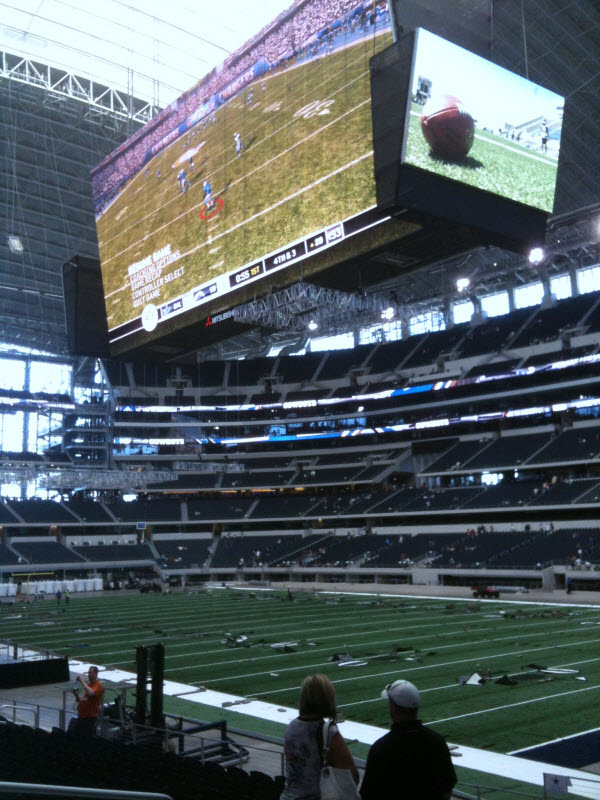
(284,506)
(249,373)
(253,478)
(457,455)
(298,369)
(509,451)
(570,491)
(219,509)
(549,322)
(249,551)
(388,357)
(41,511)
(494,334)
(47,553)
(339,551)
(89,510)
(575,444)
(6,515)
(180,553)
(440,499)
(505,495)
(207,373)
(7,557)
(480,550)
(399,550)
(156,510)
(116,552)
(433,345)
(559,546)
(339,362)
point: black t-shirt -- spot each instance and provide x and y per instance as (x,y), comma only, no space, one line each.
(410,762)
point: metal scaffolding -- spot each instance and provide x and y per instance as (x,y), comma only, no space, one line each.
(64,84)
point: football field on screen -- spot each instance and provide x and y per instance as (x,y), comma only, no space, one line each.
(305,162)
(494,164)
(430,642)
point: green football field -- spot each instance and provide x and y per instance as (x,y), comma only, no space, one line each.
(493,164)
(432,643)
(306,162)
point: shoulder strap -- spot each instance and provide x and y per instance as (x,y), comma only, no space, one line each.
(325,732)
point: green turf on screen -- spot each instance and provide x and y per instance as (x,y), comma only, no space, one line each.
(275,193)
(494,164)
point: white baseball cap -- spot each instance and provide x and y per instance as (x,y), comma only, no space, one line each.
(402,693)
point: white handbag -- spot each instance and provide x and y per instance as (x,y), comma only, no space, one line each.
(335,784)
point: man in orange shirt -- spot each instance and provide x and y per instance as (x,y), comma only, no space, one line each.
(89,703)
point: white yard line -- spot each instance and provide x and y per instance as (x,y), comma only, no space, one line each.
(516,632)
(457,685)
(514,705)
(398,668)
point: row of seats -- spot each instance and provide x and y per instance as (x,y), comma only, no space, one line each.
(575,444)
(518,549)
(374,502)
(36,756)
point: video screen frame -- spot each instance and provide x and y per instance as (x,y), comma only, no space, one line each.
(152,272)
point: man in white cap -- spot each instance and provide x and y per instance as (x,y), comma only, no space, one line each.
(411,762)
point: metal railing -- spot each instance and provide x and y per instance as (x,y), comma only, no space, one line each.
(49,790)
(14,707)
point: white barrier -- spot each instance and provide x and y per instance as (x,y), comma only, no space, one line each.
(51,587)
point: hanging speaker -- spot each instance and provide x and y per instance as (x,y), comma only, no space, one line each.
(85,313)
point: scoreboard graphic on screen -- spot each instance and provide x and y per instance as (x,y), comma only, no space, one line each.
(265,163)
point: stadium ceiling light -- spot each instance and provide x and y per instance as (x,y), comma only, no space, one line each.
(536,255)
(312,325)
(462,284)
(15,245)
(387,313)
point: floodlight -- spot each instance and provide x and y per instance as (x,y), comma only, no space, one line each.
(387,313)
(536,255)
(15,245)
(462,284)
(312,325)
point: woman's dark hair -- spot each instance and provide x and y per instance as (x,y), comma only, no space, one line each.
(317,697)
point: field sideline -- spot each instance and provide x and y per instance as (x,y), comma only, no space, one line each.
(431,642)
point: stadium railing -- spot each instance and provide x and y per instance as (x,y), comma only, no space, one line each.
(48,790)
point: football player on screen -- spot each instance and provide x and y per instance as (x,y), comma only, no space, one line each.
(238,144)
(183,182)
(208,198)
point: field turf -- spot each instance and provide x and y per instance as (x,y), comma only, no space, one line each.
(493,164)
(432,643)
(306,162)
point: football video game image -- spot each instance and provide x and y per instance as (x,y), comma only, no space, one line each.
(263,163)
(475,122)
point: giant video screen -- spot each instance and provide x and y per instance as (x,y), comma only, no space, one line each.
(266,162)
(470,120)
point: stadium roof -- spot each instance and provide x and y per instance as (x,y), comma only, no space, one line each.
(154,50)
(56,129)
